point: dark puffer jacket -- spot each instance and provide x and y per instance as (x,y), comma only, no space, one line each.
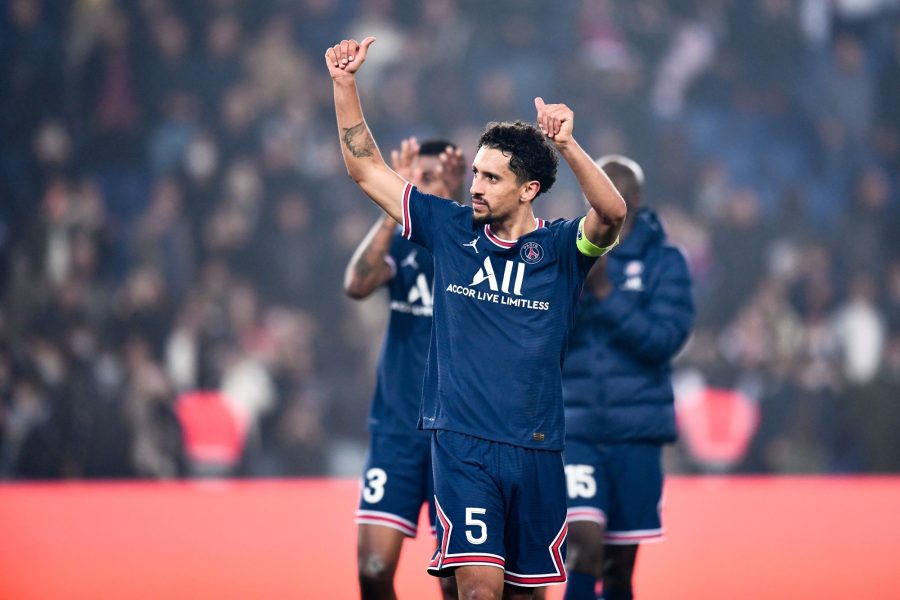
(617,375)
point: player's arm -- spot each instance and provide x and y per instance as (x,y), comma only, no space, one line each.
(369,267)
(361,155)
(604,219)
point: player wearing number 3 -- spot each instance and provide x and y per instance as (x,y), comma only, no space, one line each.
(397,476)
(506,285)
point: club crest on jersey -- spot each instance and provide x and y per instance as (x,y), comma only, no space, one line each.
(633,280)
(531,252)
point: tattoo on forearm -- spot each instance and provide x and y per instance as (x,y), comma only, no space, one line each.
(363,266)
(358,141)
(368,264)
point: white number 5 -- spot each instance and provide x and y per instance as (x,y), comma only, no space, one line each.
(470,520)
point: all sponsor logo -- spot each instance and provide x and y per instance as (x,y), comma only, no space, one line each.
(505,290)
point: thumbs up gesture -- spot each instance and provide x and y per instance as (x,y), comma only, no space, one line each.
(555,120)
(347,57)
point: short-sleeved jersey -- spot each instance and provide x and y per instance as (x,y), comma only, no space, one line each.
(401,368)
(502,315)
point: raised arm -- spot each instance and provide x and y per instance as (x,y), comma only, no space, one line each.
(607,213)
(361,156)
(370,267)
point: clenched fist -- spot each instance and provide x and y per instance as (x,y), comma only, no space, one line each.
(347,57)
(555,120)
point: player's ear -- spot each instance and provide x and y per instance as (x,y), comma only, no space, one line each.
(529,191)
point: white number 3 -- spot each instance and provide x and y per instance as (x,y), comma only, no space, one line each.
(470,520)
(374,488)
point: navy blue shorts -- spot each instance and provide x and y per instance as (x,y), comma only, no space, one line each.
(396,482)
(618,486)
(499,505)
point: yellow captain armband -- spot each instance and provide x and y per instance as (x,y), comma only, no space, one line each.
(588,248)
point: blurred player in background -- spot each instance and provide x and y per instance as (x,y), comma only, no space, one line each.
(397,477)
(635,314)
(506,288)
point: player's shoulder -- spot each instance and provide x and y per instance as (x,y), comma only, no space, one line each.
(673,254)
(443,207)
(663,249)
(558,223)
(560,227)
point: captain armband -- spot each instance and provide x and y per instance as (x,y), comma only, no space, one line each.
(588,248)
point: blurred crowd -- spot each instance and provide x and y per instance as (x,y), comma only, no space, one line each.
(175,217)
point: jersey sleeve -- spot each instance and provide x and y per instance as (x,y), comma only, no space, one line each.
(568,246)
(587,247)
(424,214)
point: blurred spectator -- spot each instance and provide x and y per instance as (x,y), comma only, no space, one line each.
(114,95)
(31,82)
(736,243)
(859,330)
(163,239)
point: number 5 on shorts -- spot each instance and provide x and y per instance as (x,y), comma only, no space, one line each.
(471,520)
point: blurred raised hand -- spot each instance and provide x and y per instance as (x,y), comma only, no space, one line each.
(402,159)
(453,170)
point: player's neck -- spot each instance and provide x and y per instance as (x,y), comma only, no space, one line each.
(515,226)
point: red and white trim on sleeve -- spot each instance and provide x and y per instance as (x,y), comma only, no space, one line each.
(506,244)
(407,224)
(637,536)
(442,560)
(374,517)
(559,576)
(586,513)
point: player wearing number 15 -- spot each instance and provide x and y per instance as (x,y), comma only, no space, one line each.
(506,285)
(634,316)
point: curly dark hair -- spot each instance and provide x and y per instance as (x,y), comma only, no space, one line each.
(531,156)
(434,147)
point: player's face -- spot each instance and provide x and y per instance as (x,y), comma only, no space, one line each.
(495,190)
(427,176)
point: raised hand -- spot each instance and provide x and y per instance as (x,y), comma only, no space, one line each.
(555,120)
(347,57)
(402,159)
(452,170)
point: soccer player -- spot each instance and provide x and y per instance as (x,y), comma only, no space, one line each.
(506,285)
(397,476)
(635,314)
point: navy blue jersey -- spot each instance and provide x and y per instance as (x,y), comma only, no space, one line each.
(398,393)
(502,315)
